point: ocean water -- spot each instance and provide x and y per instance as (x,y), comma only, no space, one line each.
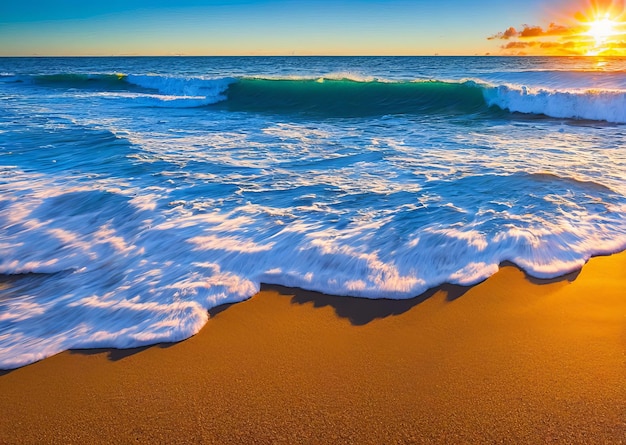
(137,193)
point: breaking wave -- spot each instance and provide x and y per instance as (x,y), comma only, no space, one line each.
(345,97)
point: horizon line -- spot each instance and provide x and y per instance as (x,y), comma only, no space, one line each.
(304,55)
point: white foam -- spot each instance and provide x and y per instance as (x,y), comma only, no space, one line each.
(592,104)
(158,100)
(338,75)
(182,91)
(128,282)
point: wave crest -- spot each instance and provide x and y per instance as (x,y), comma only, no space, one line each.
(199,91)
(598,105)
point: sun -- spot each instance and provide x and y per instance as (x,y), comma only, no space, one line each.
(601,29)
(604,33)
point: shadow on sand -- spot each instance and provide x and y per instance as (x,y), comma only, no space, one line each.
(570,277)
(360,311)
(119,354)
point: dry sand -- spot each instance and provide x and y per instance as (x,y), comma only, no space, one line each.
(507,361)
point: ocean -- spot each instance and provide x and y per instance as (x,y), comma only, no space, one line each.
(137,193)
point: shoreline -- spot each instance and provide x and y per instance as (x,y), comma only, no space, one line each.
(364,306)
(511,359)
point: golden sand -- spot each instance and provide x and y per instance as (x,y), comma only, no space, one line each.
(507,361)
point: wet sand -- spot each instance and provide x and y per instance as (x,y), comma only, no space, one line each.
(510,360)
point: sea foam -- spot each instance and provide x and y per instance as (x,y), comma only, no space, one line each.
(176,90)
(132,274)
(599,105)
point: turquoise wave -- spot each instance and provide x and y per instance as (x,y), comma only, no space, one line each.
(354,98)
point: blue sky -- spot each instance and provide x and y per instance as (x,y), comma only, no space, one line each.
(197,27)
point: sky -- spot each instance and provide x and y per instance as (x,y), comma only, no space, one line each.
(303,27)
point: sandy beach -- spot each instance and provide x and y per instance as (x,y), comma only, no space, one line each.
(510,360)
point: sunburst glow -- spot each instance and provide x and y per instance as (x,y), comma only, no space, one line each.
(603,25)
(598,28)
(601,29)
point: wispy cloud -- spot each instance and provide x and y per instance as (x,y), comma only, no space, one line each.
(528,31)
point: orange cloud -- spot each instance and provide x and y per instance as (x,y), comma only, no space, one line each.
(519,45)
(528,31)
(510,32)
